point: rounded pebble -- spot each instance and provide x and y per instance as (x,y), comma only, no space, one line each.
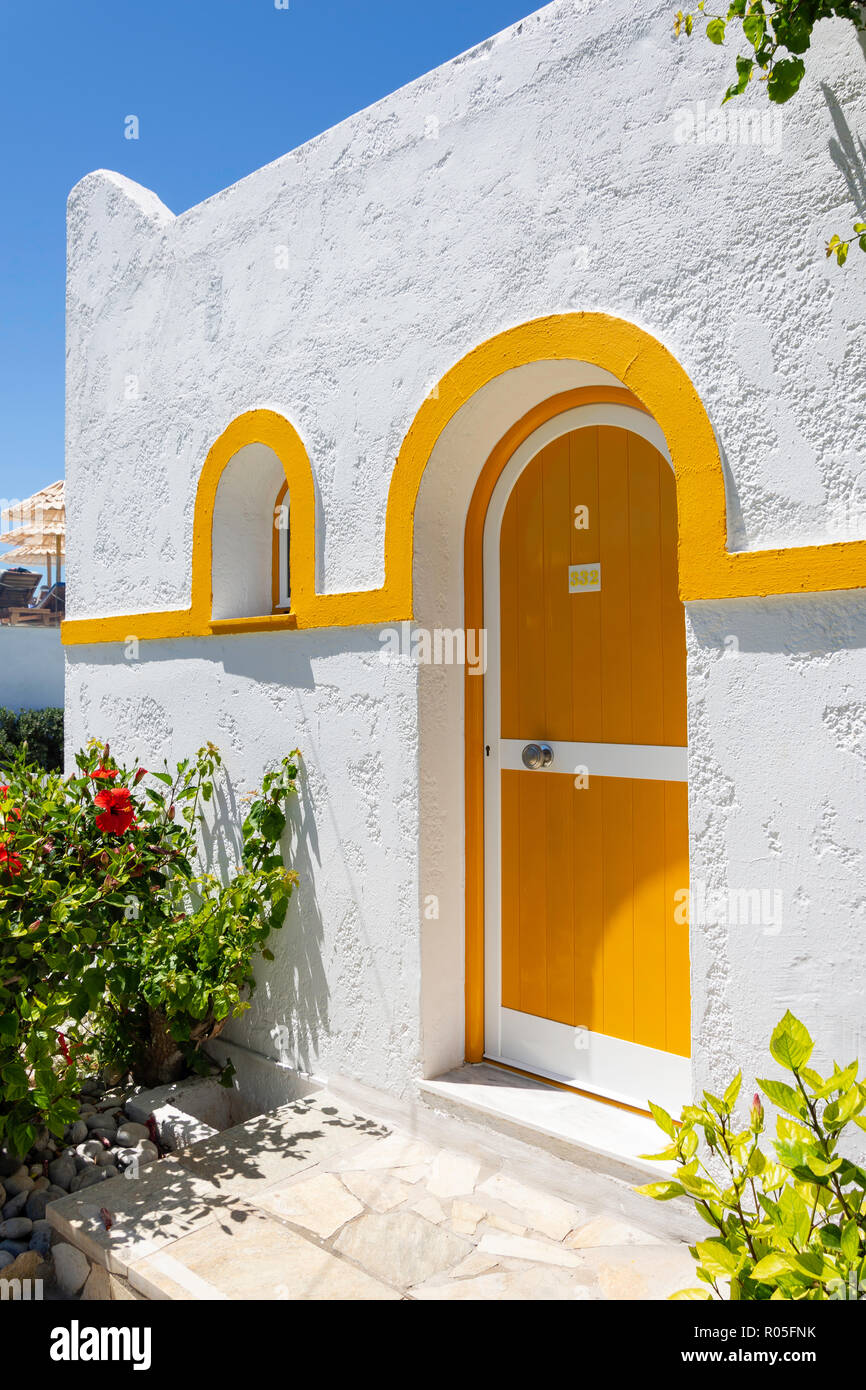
(13,1247)
(37,1204)
(97,1121)
(131,1134)
(91,1149)
(16,1229)
(40,1238)
(15,1205)
(19,1181)
(62,1171)
(6,1259)
(71,1268)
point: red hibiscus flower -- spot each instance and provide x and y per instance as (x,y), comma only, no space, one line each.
(118,812)
(9,861)
(105,774)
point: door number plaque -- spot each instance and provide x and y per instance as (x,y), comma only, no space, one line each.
(584,579)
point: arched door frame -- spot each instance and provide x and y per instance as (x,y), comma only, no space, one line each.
(474,688)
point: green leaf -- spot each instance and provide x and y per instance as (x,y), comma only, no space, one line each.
(699,1187)
(716,31)
(691,1296)
(733,1091)
(661,1191)
(821,1167)
(850,1240)
(771,1267)
(717,1258)
(785,78)
(791,1045)
(663,1120)
(792,28)
(744,73)
(785,1096)
(754,28)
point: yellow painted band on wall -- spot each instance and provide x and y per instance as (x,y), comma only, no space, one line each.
(707,569)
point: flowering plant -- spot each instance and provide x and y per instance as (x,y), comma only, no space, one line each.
(115,945)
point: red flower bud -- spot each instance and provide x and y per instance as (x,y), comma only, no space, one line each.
(757,1113)
(171,811)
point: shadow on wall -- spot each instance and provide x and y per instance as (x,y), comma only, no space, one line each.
(288,1016)
(810,625)
(847,151)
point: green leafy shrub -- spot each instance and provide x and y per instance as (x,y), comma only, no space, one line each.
(39,731)
(114,945)
(788,1226)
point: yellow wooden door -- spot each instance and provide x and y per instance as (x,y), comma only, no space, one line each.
(594,848)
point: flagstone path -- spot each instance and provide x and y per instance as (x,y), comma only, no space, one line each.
(318,1201)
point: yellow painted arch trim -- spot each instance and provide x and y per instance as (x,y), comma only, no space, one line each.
(645,367)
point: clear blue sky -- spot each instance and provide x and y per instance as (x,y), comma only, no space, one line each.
(220,88)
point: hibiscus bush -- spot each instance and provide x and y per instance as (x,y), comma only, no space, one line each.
(116,946)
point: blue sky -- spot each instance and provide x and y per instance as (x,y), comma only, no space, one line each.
(220,88)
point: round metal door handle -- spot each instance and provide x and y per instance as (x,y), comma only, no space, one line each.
(536,755)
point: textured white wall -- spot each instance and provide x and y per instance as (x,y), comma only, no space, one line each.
(31,668)
(539,173)
(342,993)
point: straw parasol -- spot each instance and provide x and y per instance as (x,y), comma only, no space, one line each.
(37,529)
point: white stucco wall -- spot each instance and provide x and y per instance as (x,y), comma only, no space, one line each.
(31,668)
(540,173)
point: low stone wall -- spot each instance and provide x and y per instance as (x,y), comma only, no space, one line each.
(119,1130)
(32,671)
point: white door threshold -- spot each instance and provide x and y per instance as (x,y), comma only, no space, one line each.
(601,1137)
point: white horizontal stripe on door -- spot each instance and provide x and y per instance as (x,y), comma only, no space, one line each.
(645,761)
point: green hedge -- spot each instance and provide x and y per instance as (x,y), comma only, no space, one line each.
(40,729)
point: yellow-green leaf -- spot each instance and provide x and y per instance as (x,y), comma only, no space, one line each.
(661,1191)
(770,1267)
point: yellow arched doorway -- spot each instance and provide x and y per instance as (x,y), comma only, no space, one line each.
(577,861)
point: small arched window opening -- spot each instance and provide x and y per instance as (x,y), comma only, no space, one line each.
(250,553)
(282,550)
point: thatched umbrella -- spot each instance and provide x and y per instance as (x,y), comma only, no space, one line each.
(37,529)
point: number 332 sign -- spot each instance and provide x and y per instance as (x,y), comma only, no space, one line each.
(584,579)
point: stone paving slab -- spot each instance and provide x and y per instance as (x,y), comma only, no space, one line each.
(318,1201)
(250,1157)
(124,1219)
(256,1259)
